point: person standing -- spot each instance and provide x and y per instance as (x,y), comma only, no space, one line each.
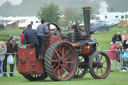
(125,43)
(22,36)
(3,50)
(11,50)
(42,30)
(124,36)
(10,39)
(30,37)
(117,37)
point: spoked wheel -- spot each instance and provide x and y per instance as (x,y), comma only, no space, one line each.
(82,68)
(99,65)
(61,61)
(35,77)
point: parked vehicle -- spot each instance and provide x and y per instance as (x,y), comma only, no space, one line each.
(100,26)
(91,28)
(1,26)
(110,23)
(97,26)
(24,22)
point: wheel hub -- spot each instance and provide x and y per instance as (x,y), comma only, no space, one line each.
(62,61)
(100,65)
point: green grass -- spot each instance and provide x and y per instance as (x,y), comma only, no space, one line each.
(103,38)
(10,31)
(4,34)
(115,78)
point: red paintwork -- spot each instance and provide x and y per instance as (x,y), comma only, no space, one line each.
(84,49)
(54,38)
(27,62)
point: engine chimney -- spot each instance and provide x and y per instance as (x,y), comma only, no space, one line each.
(86,12)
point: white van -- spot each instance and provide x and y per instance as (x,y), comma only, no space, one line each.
(24,22)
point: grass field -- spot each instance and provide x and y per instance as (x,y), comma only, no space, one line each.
(4,34)
(115,78)
(103,38)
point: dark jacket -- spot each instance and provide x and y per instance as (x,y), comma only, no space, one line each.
(125,46)
(77,33)
(10,48)
(30,37)
(116,38)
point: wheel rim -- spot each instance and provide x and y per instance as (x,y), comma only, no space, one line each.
(100,65)
(64,62)
(82,68)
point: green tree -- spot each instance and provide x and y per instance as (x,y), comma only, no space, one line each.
(50,12)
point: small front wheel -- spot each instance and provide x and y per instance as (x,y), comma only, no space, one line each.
(99,65)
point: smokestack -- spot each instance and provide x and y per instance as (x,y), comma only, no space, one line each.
(86,12)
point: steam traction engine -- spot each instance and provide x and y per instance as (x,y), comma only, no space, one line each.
(65,56)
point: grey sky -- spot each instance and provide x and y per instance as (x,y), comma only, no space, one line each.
(31,7)
(13,2)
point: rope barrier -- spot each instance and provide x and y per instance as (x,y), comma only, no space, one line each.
(10,53)
(121,62)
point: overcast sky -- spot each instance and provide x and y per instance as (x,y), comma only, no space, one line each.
(13,2)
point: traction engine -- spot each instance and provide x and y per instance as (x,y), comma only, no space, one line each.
(67,56)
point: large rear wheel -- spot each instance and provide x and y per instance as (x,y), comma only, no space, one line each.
(61,61)
(99,65)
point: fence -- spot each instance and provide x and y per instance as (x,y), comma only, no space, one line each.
(116,65)
(15,62)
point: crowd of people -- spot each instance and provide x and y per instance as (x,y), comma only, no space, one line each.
(29,36)
(119,48)
(6,50)
(37,38)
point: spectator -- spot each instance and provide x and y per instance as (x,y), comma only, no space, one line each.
(114,51)
(11,49)
(125,53)
(10,39)
(30,37)
(42,30)
(125,43)
(94,45)
(22,36)
(125,56)
(117,37)
(125,60)
(124,36)
(92,38)
(3,50)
